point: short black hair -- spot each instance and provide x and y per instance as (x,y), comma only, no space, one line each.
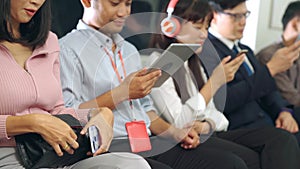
(220,5)
(34,33)
(291,11)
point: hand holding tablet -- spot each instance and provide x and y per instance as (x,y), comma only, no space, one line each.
(172,59)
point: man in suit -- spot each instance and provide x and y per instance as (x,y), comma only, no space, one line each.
(252,99)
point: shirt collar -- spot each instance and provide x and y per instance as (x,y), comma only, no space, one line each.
(227,42)
(101,38)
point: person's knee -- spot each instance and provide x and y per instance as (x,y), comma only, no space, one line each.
(283,137)
(114,161)
(281,151)
(232,161)
(131,161)
(226,160)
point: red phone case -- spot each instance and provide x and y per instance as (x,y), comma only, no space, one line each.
(138,137)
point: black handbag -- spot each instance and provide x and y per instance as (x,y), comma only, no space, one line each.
(34,152)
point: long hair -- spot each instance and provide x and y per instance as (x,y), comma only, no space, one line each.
(34,33)
(193,11)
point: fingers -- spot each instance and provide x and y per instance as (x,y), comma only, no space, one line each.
(294,55)
(67,148)
(142,82)
(64,143)
(295,46)
(296,128)
(69,144)
(151,75)
(150,72)
(294,50)
(141,72)
(147,82)
(290,126)
(278,123)
(237,61)
(191,140)
(84,130)
(226,59)
(287,127)
(73,143)
(101,150)
(58,148)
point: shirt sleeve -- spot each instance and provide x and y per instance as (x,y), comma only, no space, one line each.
(216,116)
(287,89)
(172,109)
(71,77)
(60,106)
(3,133)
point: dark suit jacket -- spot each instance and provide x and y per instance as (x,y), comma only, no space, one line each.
(251,101)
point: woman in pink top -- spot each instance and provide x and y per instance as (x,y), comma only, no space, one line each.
(31,92)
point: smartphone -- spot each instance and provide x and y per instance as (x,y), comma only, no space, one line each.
(243,51)
(95,140)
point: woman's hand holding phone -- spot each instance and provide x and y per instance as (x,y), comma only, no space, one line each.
(102,119)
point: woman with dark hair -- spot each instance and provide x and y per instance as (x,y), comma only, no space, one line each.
(32,33)
(31,92)
(181,97)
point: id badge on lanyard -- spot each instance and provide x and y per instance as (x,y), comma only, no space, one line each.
(137,132)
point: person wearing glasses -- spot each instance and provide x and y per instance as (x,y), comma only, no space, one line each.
(252,99)
(288,81)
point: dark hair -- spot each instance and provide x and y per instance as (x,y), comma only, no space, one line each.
(190,10)
(291,11)
(220,5)
(34,33)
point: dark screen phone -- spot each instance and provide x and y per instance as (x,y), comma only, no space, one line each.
(243,51)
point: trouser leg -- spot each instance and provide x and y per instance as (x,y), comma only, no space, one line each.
(156,164)
(278,148)
(249,156)
(200,157)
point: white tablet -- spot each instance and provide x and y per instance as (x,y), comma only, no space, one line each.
(172,59)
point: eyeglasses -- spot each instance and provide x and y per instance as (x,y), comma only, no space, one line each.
(237,16)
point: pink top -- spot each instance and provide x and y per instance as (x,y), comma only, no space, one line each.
(37,90)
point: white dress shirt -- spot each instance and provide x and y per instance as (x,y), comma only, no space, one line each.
(180,114)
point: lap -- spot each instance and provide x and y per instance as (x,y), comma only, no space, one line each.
(277,148)
(208,154)
(201,157)
(112,161)
(257,138)
(9,160)
(249,156)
